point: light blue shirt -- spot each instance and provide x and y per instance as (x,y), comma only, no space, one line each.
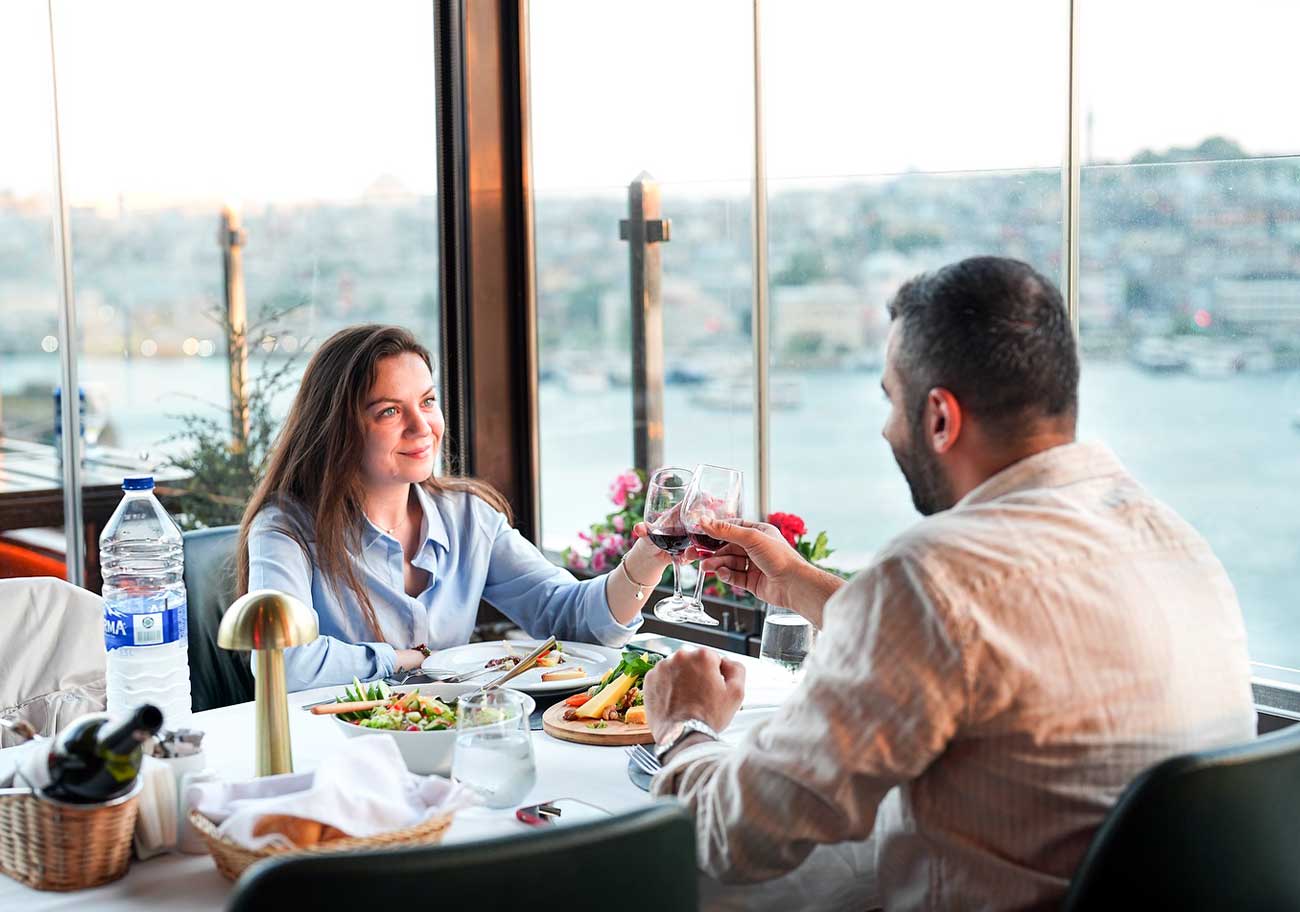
(470,553)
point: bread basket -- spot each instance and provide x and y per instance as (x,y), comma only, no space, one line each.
(232,858)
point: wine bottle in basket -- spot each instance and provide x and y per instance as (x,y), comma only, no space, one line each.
(95,760)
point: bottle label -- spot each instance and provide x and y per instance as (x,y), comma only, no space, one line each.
(145,621)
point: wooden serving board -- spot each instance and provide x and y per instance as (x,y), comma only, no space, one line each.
(614,734)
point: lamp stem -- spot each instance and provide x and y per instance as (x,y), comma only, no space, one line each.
(271,697)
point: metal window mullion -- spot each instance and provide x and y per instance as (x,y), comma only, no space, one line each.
(70,406)
(759,322)
(453,234)
(1071,177)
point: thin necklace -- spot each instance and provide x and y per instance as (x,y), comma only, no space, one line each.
(387,531)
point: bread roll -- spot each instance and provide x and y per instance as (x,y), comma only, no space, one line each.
(328,832)
(298,830)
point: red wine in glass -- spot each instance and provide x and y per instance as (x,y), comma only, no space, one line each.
(706,544)
(674,541)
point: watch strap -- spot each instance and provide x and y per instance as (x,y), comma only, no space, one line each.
(689,727)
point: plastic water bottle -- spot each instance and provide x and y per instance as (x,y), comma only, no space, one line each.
(146,629)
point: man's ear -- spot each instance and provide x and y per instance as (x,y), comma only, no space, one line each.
(943,419)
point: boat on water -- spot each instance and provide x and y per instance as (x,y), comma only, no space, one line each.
(1158,355)
(1205,358)
(784,394)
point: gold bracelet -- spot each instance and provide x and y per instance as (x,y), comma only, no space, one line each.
(640,587)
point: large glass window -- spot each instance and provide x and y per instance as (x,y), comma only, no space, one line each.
(902,137)
(600,118)
(295,141)
(31,495)
(1189,292)
(895,144)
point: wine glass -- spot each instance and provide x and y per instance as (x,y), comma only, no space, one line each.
(714,494)
(494,747)
(665,494)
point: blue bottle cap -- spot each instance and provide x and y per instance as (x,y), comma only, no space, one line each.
(137,483)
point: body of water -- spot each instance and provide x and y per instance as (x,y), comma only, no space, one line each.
(1222,451)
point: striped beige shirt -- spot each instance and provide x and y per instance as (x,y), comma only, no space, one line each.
(980,695)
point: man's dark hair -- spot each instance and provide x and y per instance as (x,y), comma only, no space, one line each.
(995,334)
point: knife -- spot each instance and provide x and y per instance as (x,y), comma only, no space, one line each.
(525,663)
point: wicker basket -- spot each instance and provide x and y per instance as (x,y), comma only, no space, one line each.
(232,858)
(50,845)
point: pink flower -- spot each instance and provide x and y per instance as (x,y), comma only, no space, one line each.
(616,543)
(625,484)
(598,562)
(575,560)
(619,523)
(584,537)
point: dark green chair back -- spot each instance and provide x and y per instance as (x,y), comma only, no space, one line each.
(643,861)
(1211,830)
(218,677)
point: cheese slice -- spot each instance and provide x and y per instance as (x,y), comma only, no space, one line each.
(564,674)
(635,716)
(609,696)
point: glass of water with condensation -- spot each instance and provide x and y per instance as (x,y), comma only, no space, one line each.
(787,638)
(494,746)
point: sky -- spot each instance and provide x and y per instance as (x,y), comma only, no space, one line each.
(252,101)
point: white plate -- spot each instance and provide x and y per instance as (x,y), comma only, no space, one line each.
(595,661)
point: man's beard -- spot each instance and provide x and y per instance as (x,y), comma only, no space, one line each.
(931,492)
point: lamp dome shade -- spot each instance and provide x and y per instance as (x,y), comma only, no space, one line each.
(266,619)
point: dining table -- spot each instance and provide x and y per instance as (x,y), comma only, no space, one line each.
(31,490)
(595,774)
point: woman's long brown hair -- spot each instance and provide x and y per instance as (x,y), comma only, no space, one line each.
(316,463)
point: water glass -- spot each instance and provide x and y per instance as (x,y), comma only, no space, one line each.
(787,639)
(494,747)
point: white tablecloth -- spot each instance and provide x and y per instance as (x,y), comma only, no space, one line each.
(835,877)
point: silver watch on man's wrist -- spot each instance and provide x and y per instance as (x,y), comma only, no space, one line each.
(679,732)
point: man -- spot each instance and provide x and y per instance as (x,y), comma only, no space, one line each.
(1003,669)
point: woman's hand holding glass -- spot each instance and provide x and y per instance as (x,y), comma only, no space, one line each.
(665,527)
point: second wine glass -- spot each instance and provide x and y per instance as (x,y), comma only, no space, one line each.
(715,494)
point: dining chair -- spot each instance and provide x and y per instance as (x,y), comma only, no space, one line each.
(1210,830)
(52,659)
(218,677)
(641,860)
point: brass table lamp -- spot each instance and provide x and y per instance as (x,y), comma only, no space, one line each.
(267,621)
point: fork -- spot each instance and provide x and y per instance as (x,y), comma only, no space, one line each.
(644,759)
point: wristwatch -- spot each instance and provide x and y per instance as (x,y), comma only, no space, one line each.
(679,732)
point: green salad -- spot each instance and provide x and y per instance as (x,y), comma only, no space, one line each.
(402,712)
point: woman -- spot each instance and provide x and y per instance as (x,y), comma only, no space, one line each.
(351,520)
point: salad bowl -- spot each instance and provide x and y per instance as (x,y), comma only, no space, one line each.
(425,752)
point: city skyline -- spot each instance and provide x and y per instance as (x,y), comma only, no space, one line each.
(234,122)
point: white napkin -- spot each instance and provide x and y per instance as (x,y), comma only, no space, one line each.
(12,758)
(363,788)
(155,822)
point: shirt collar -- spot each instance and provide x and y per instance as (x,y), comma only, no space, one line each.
(1052,468)
(432,527)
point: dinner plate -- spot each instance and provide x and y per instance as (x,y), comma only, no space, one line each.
(595,661)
